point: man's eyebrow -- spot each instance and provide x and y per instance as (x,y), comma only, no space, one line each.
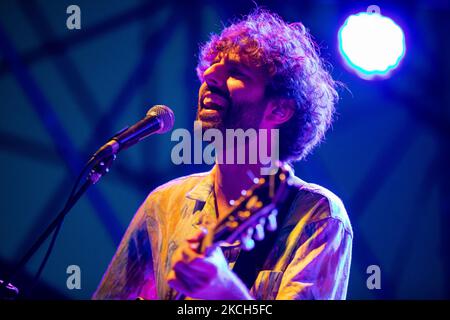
(238,64)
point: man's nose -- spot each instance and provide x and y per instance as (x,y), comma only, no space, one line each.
(215,75)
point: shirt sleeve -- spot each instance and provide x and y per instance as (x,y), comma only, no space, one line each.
(320,267)
(130,274)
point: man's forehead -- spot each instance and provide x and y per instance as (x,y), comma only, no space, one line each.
(235,58)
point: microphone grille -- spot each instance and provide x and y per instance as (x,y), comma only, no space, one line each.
(165,116)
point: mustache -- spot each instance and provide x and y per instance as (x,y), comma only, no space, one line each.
(215,90)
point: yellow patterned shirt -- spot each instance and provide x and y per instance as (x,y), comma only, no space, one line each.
(310,257)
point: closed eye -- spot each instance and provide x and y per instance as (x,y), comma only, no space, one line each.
(236,72)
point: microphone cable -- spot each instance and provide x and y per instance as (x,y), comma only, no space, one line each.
(50,247)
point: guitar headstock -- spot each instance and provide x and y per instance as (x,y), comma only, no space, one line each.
(257,207)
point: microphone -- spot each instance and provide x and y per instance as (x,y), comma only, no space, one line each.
(159,119)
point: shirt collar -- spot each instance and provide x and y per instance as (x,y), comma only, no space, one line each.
(204,188)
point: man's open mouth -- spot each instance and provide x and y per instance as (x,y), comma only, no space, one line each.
(212,106)
(214,101)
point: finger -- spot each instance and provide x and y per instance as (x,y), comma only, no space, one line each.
(189,273)
(194,270)
(177,283)
(194,242)
(191,279)
(188,254)
(203,268)
(194,246)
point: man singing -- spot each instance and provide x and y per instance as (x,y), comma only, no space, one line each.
(259,73)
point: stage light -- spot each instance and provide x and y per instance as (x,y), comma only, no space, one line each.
(372,45)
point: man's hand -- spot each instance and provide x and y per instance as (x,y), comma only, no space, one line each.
(205,276)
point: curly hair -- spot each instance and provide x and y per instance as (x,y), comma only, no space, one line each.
(290,58)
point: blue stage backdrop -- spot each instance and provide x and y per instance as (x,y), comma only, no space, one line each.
(64,92)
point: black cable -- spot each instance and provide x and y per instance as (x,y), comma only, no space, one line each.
(56,231)
(58,227)
(44,261)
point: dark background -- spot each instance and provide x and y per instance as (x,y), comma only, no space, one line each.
(65,92)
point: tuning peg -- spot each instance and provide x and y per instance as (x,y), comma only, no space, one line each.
(262,222)
(272,220)
(252,176)
(247,242)
(259,232)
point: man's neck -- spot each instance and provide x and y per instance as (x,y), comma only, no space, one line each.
(230,180)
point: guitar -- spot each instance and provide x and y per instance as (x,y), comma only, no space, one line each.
(256,208)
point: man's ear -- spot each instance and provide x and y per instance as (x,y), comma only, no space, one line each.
(279,111)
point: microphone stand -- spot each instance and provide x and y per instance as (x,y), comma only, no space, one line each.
(100,168)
